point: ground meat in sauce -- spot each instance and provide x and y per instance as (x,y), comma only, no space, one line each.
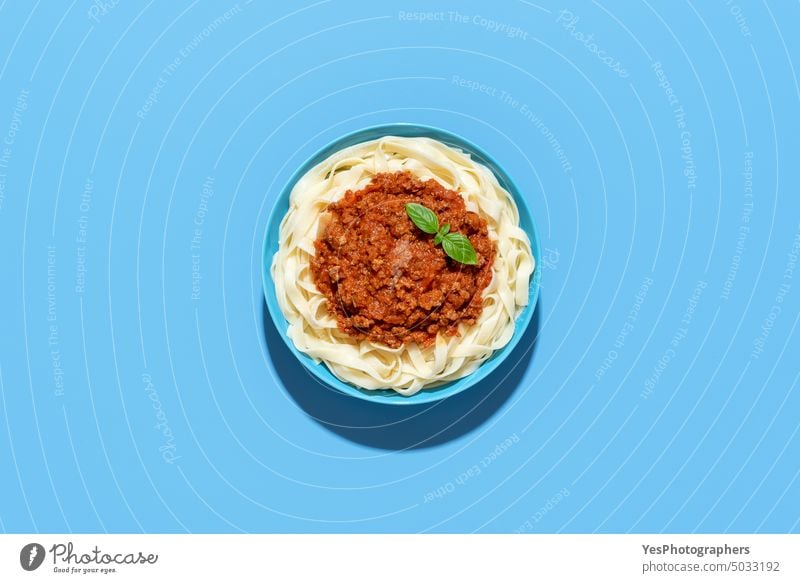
(384,278)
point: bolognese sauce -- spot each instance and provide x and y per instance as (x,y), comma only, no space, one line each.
(384,279)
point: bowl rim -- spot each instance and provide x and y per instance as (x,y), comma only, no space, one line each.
(320,371)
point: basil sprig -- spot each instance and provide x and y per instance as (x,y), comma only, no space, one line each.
(455,245)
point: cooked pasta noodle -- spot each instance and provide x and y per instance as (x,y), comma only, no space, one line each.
(409,368)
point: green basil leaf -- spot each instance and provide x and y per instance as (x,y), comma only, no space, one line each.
(458,247)
(422,217)
(440,235)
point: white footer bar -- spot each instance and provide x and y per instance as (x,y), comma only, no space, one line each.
(401,558)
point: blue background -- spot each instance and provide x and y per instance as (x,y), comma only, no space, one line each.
(655,391)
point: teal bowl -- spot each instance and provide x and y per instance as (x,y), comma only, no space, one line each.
(281,206)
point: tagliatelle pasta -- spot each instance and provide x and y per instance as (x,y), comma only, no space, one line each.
(411,367)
